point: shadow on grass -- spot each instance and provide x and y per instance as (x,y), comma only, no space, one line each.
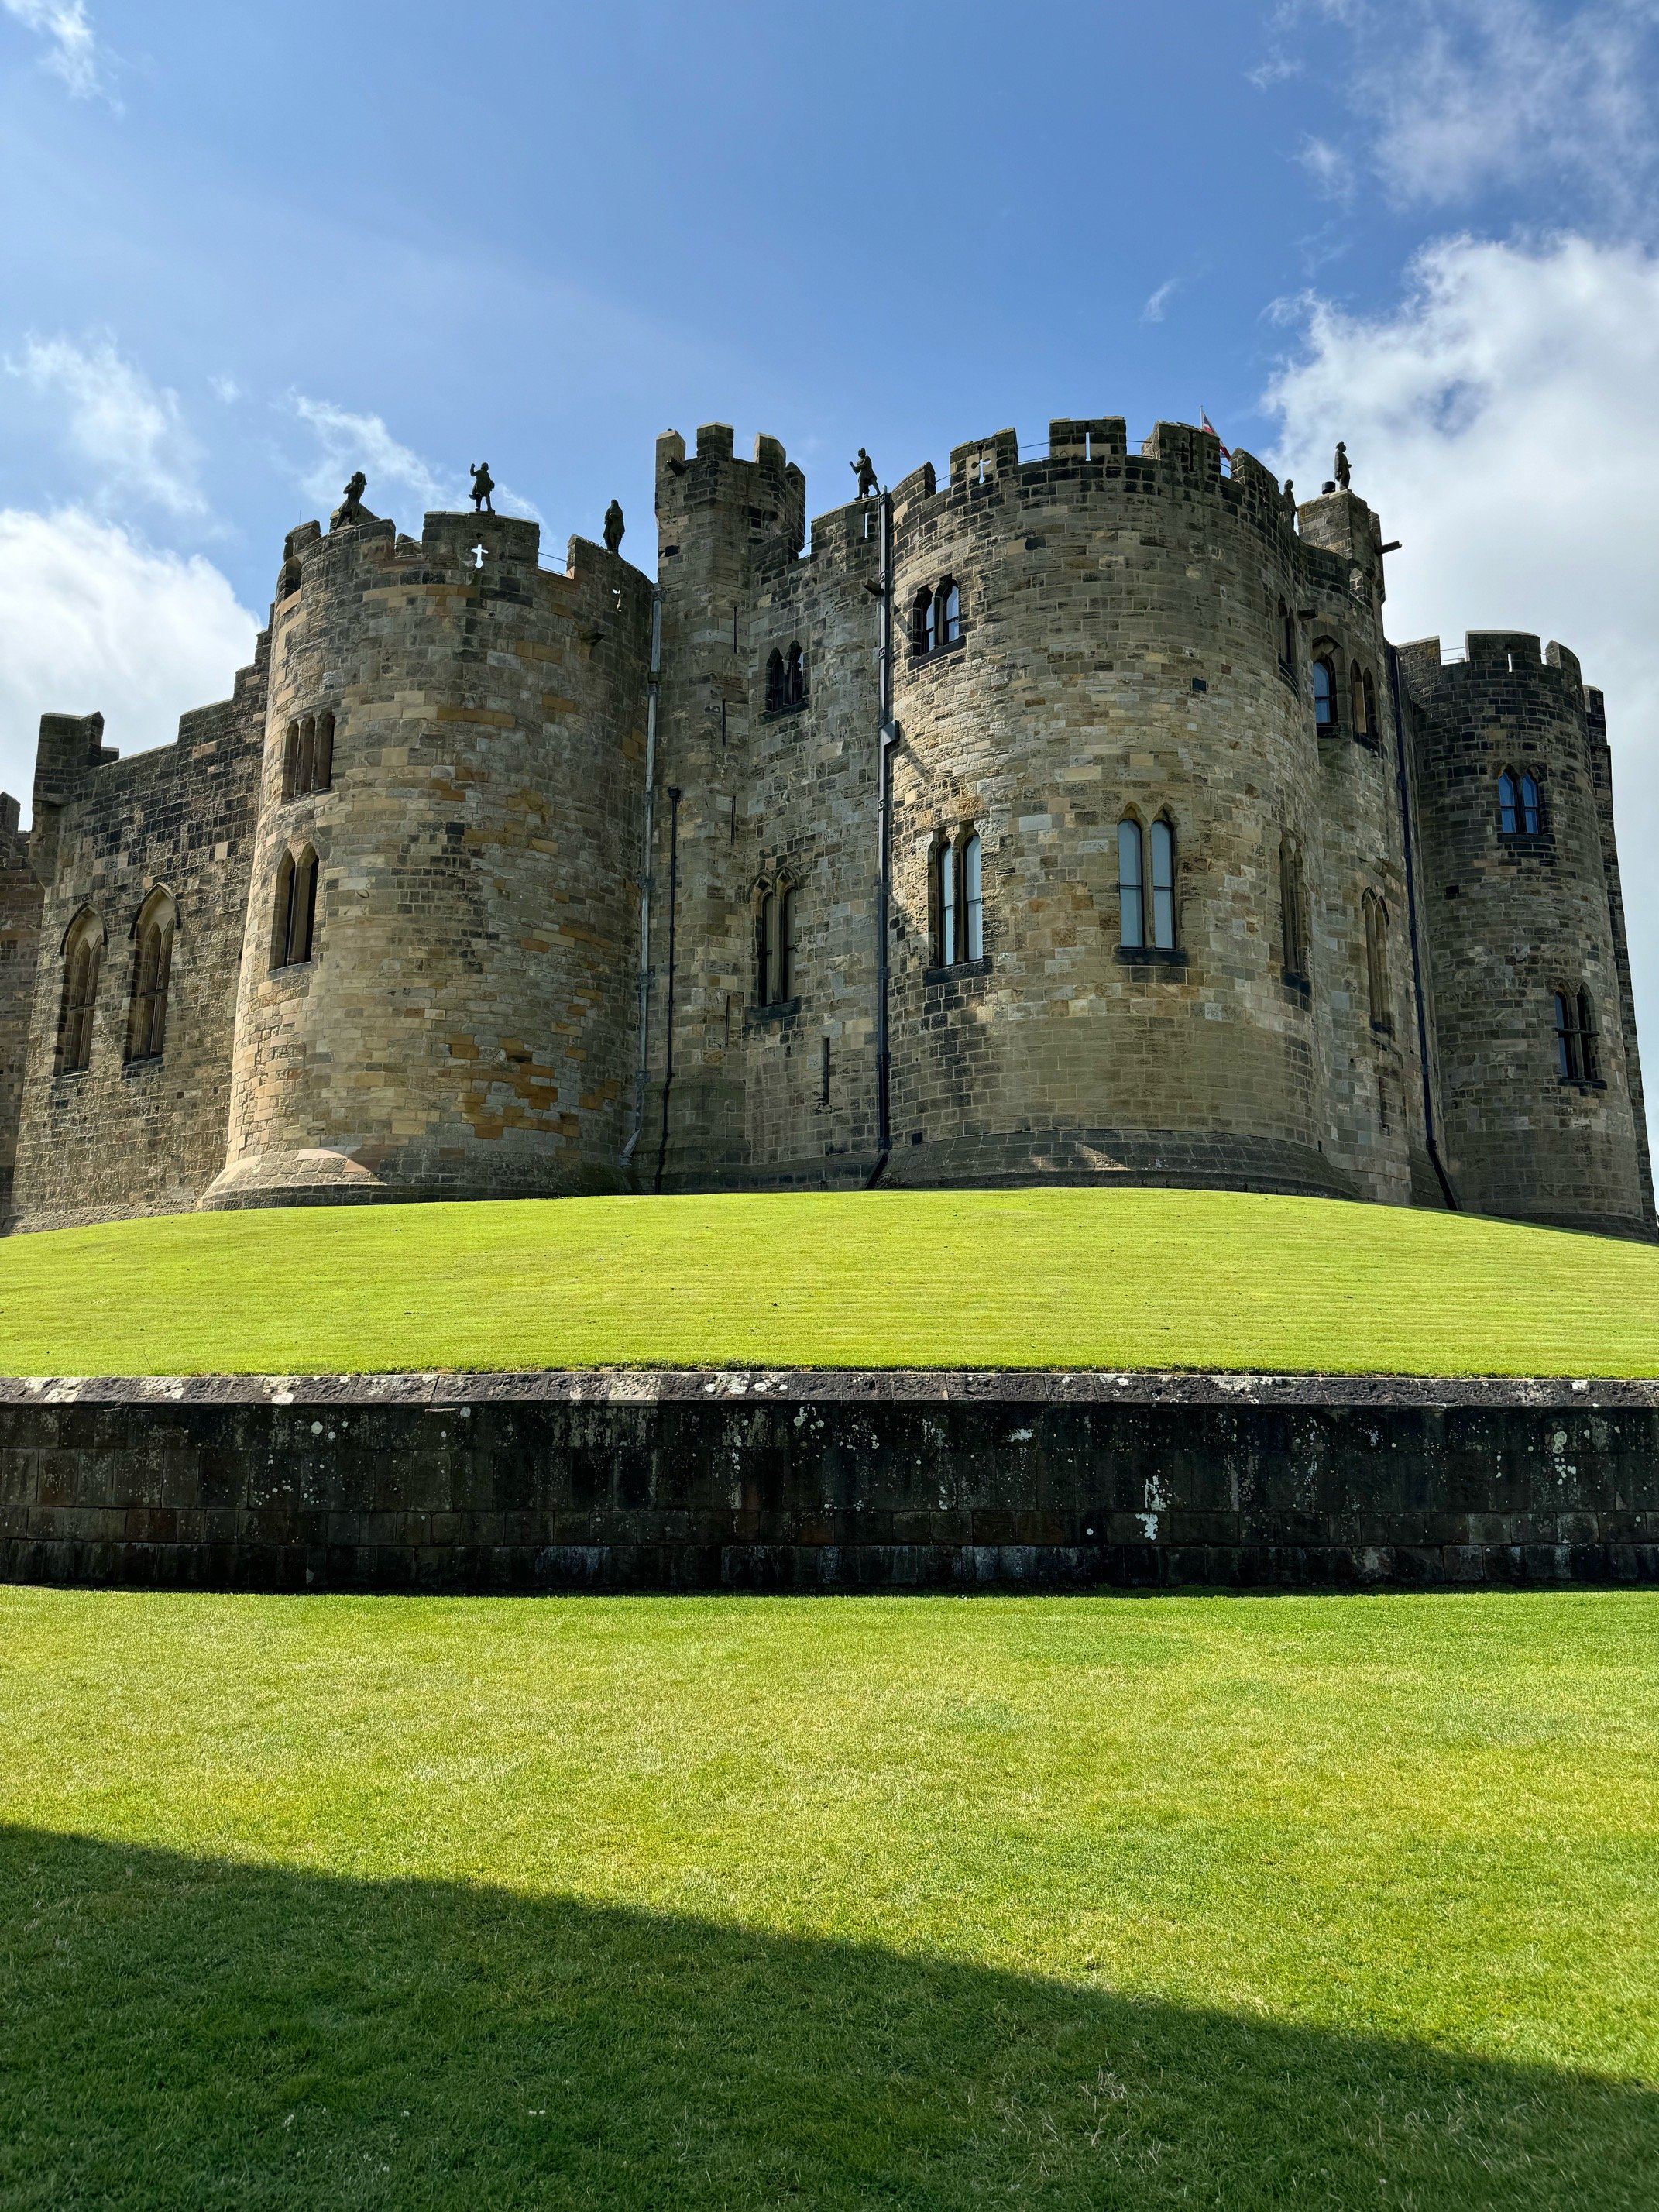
(182,2031)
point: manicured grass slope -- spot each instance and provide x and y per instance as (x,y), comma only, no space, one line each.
(711,1904)
(1022,1279)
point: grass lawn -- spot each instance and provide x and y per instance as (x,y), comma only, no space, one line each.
(895,1279)
(722,1904)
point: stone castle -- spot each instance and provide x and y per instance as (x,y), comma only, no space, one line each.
(1072,819)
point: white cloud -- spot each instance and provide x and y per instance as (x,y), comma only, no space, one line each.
(349,441)
(1456,96)
(90,619)
(1501,419)
(75,54)
(225,389)
(131,433)
(1153,310)
(1330,169)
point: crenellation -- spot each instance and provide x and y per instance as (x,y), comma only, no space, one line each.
(409,864)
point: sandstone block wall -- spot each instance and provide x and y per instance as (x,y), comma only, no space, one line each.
(1511,919)
(133,1135)
(20,937)
(464,1024)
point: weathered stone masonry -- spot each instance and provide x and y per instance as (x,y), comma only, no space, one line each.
(403,866)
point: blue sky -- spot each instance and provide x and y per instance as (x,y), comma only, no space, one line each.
(245,250)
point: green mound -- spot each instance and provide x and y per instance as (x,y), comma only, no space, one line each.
(728,1905)
(930,1278)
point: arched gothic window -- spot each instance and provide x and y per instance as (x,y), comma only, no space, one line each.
(1509,810)
(83,953)
(774,682)
(1377,961)
(1575,1037)
(949,907)
(922,621)
(973,899)
(956,900)
(1131,884)
(308,756)
(1162,841)
(1324,692)
(784,984)
(794,677)
(294,918)
(1532,814)
(152,971)
(950,612)
(1293,911)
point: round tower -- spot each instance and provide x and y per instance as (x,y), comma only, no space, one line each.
(1530,1019)
(1149,884)
(437,994)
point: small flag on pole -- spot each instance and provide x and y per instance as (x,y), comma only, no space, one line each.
(1207,424)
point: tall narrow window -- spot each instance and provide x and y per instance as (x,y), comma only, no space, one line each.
(322,767)
(1372,730)
(973,899)
(1376,962)
(1509,811)
(1293,911)
(786,980)
(291,761)
(766,944)
(295,915)
(1586,1038)
(774,681)
(1324,692)
(1531,812)
(947,905)
(1358,704)
(83,956)
(305,780)
(1286,640)
(950,612)
(1131,878)
(794,677)
(1161,840)
(1574,1045)
(922,621)
(152,971)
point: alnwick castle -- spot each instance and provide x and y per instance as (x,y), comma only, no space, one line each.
(1068,819)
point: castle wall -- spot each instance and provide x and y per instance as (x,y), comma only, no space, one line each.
(1121,650)
(464,1025)
(138,1135)
(1508,920)
(19,937)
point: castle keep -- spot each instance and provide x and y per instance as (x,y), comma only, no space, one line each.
(1069,819)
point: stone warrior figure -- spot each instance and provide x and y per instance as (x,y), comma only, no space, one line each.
(613,526)
(482,484)
(1343,472)
(351,508)
(865,470)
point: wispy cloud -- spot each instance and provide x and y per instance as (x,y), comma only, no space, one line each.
(73,51)
(348,441)
(1153,310)
(130,432)
(1452,97)
(1330,169)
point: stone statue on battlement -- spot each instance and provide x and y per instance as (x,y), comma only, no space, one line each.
(351,508)
(1344,473)
(482,484)
(614,526)
(865,470)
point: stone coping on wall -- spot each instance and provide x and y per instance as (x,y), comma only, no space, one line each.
(444,1390)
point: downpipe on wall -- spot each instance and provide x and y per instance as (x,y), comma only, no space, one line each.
(654,685)
(668,1017)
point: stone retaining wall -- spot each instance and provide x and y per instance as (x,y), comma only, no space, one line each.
(819,1481)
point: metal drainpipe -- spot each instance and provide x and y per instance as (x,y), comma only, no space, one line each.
(673,907)
(887,737)
(654,685)
(1433,1149)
